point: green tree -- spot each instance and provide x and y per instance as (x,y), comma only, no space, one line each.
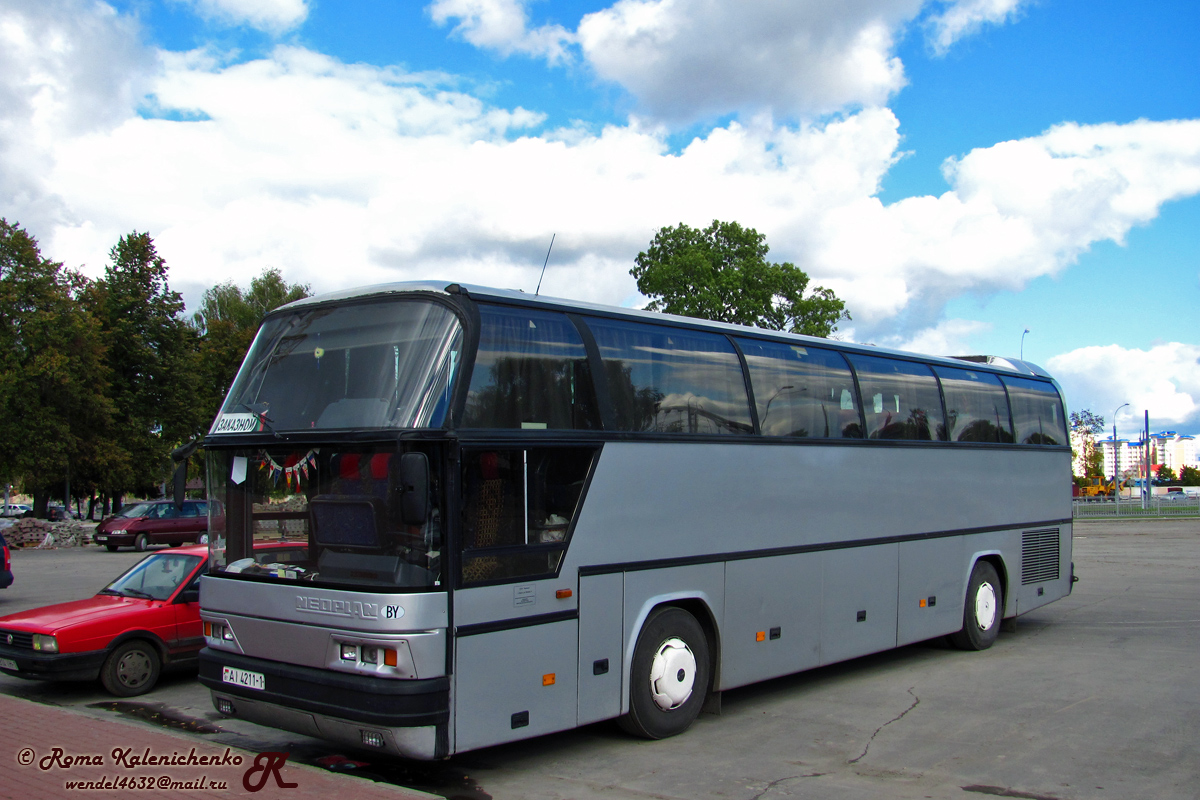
(1088,457)
(1189,476)
(1165,474)
(54,408)
(722,273)
(226,323)
(152,357)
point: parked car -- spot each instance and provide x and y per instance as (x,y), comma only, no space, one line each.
(154,522)
(14,510)
(145,620)
(6,576)
(59,514)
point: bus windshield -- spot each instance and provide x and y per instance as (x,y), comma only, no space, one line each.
(383,364)
(327,515)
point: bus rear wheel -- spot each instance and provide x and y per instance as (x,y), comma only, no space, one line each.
(670,675)
(984,610)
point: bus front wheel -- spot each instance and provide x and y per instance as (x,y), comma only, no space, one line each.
(984,610)
(670,675)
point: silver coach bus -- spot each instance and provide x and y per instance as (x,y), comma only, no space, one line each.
(511,515)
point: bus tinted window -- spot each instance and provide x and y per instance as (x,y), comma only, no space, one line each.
(672,380)
(518,505)
(976,407)
(531,372)
(900,398)
(1037,412)
(802,391)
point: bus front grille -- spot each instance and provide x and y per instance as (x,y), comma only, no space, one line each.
(1039,556)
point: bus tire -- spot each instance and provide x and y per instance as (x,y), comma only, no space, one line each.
(669,677)
(983,610)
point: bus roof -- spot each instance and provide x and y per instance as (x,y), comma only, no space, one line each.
(998,364)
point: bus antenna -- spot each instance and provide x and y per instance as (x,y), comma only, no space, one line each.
(547,261)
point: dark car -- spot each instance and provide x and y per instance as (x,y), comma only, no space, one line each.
(6,577)
(145,620)
(154,522)
(60,514)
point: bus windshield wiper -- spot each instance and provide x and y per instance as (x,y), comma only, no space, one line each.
(260,410)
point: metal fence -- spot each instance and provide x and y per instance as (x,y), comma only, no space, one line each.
(1158,507)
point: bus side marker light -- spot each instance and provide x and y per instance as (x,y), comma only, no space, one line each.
(921,602)
(548,679)
(562,594)
(761,636)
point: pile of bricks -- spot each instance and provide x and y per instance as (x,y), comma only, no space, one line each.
(40,533)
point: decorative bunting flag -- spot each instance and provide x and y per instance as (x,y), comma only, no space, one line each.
(296,468)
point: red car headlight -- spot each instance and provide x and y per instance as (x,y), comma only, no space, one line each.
(46,644)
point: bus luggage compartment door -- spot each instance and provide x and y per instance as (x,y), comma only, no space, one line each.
(514,683)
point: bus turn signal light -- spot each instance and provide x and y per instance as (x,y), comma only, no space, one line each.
(562,594)
(548,679)
(761,636)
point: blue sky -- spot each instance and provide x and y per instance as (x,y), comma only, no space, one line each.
(958,170)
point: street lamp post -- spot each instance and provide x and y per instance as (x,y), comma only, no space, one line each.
(1116,457)
(1023,344)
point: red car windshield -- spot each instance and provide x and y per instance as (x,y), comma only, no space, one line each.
(136,510)
(155,577)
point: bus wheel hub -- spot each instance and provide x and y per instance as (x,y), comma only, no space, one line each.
(985,606)
(672,674)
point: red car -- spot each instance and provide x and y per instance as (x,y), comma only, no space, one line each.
(144,620)
(154,522)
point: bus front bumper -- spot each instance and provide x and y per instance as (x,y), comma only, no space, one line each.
(408,718)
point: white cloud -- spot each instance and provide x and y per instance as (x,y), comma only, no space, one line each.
(687,59)
(272,16)
(61,74)
(1164,380)
(950,337)
(343,175)
(502,25)
(1017,210)
(965,17)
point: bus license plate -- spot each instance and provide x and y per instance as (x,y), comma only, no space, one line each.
(8,663)
(242,677)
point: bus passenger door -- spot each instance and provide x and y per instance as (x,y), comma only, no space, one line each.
(516,618)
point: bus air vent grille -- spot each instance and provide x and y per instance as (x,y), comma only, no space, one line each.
(1039,556)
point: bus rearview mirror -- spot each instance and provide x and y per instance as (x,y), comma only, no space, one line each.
(414,482)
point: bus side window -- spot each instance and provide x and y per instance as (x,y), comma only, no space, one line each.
(802,391)
(976,408)
(518,506)
(905,402)
(531,372)
(1037,412)
(672,380)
